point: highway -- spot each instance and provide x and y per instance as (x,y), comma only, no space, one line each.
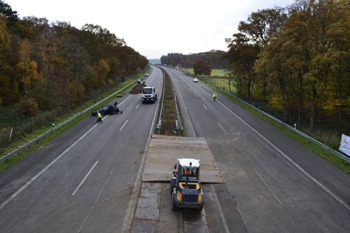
(89,185)
(88,178)
(277,184)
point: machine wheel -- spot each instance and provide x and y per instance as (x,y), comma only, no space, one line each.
(201,208)
(173,201)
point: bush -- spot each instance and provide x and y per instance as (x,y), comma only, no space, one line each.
(27,107)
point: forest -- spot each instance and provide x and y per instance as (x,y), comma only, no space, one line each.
(297,60)
(44,66)
(213,58)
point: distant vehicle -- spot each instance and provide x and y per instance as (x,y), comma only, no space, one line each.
(195,80)
(149,94)
(139,80)
(107,109)
(147,75)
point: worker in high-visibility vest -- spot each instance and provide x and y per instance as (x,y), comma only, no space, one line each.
(214,96)
(99,117)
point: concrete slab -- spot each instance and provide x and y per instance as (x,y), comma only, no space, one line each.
(143,226)
(150,190)
(165,150)
(147,214)
(169,221)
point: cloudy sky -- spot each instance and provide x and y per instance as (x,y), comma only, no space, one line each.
(154,27)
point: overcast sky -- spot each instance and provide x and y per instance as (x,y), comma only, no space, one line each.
(154,27)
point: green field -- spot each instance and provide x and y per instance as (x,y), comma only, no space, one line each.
(214,72)
(220,83)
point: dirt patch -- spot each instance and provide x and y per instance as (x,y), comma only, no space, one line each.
(137,89)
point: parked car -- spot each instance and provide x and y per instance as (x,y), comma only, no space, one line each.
(107,109)
(195,80)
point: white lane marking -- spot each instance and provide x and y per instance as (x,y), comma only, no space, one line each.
(123,125)
(138,105)
(37,194)
(183,104)
(289,159)
(268,186)
(127,223)
(205,107)
(98,196)
(284,155)
(221,127)
(195,95)
(124,100)
(81,183)
(42,171)
(220,210)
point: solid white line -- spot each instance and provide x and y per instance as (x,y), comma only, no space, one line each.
(284,155)
(221,127)
(98,196)
(42,171)
(37,194)
(183,104)
(81,183)
(123,125)
(205,107)
(268,186)
(128,219)
(220,210)
(290,160)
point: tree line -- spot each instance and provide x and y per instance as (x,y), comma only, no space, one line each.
(48,65)
(213,58)
(297,59)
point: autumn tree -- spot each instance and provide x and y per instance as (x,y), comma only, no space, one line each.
(5,40)
(241,57)
(307,60)
(27,68)
(101,70)
(201,67)
(12,17)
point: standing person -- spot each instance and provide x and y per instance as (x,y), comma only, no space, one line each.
(99,117)
(115,104)
(214,96)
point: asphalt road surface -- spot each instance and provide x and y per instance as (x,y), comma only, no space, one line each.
(277,184)
(87,179)
(83,179)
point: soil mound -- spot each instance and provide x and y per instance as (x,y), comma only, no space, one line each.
(137,89)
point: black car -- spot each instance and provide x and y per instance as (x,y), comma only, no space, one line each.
(107,109)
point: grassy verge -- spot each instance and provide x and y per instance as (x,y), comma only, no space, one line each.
(214,72)
(320,151)
(13,159)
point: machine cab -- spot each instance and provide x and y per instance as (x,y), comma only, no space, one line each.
(187,169)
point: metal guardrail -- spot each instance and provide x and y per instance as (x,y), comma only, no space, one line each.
(159,126)
(178,121)
(37,138)
(330,150)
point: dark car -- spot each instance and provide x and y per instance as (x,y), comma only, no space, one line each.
(107,109)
